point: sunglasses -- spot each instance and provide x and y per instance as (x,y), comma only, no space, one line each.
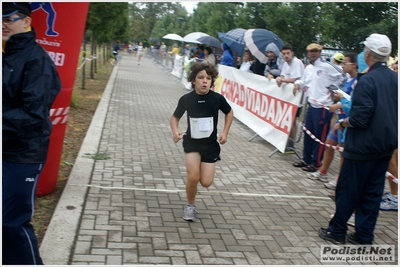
(11,20)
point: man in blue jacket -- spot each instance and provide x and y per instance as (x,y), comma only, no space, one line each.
(370,141)
(30,85)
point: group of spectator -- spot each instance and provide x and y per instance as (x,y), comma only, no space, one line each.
(352,107)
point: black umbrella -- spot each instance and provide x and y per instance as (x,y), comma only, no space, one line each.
(210,41)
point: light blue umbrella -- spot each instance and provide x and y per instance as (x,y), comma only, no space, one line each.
(258,39)
(235,40)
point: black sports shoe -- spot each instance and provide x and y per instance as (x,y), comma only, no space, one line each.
(326,235)
(352,238)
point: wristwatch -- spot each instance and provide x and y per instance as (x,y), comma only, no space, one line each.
(341,123)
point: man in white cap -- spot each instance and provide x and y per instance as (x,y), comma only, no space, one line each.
(30,84)
(371,138)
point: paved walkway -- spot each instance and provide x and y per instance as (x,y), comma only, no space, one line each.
(127,207)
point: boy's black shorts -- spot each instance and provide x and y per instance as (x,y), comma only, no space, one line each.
(209,152)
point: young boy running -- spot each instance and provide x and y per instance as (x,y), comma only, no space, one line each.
(201,143)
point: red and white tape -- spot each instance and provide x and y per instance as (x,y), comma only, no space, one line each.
(59,115)
(340,149)
(313,137)
(339,111)
(87,59)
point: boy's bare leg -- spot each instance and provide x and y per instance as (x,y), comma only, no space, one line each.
(207,172)
(193,161)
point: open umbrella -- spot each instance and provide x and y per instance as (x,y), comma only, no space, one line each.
(154,39)
(235,40)
(192,37)
(210,41)
(258,39)
(173,36)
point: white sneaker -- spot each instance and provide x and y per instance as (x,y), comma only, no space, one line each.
(389,204)
(331,185)
(385,196)
(351,221)
(189,213)
(318,176)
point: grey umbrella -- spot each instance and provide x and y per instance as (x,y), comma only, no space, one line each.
(210,41)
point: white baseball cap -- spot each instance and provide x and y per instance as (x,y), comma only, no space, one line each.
(376,42)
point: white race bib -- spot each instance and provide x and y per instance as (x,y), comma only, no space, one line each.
(201,127)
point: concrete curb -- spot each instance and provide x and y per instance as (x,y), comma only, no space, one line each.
(61,233)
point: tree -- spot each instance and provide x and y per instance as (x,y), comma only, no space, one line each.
(347,24)
(295,23)
(108,21)
(156,19)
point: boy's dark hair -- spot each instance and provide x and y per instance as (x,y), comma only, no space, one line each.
(352,57)
(199,66)
(286,47)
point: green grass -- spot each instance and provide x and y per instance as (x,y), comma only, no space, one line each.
(97,156)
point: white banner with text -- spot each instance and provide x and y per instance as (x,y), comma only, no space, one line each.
(260,104)
(177,68)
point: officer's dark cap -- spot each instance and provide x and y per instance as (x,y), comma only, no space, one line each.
(11,8)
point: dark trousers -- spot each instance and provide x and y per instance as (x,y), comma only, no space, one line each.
(359,188)
(318,123)
(19,182)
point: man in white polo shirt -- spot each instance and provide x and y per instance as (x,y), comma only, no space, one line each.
(292,69)
(317,118)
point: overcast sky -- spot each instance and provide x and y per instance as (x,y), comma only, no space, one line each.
(189,5)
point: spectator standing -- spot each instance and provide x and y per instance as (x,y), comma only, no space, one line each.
(395,66)
(30,85)
(130,48)
(140,52)
(275,62)
(227,56)
(337,59)
(186,51)
(350,67)
(210,58)
(175,50)
(201,142)
(247,61)
(163,50)
(390,199)
(200,52)
(257,67)
(317,118)
(292,70)
(371,138)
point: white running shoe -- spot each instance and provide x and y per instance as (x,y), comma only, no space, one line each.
(331,185)
(318,176)
(189,213)
(351,221)
(389,204)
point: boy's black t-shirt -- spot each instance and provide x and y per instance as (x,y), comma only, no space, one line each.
(202,106)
